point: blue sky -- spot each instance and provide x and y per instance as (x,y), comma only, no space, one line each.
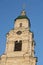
(10,9)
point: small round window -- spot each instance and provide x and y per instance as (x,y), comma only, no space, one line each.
(19,32)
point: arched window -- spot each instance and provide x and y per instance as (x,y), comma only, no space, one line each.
(20,24)
(18,46)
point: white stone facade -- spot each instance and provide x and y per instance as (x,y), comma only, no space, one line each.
(26,55)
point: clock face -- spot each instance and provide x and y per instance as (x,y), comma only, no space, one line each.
(19,32)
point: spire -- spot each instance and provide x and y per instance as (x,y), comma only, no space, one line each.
(23,13)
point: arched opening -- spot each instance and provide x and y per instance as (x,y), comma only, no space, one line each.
(18,46)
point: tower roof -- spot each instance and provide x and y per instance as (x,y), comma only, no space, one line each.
(22,16)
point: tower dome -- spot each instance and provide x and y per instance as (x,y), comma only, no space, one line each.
(23,15)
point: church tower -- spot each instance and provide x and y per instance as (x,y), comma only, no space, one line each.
(19,44)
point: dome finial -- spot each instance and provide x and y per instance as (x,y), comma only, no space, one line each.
(23,13)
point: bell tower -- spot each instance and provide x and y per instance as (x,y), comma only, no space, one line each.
(19,44)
